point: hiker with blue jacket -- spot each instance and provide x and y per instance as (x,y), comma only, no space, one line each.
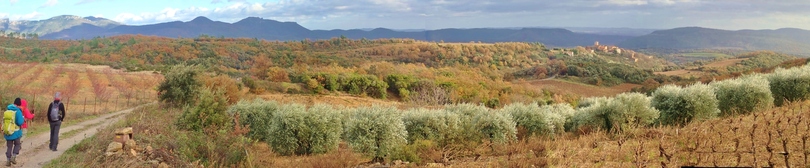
(13,139)
(56,114)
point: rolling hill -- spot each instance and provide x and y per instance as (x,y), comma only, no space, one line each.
(54,24)
(786,40)
(253,27)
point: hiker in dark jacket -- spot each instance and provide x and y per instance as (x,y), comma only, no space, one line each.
(13,141)
(56,121)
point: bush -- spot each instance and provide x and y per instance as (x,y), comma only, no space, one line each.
(180,86)
(425,92)
(679,106)
(624,112)
(560,114)
(376,131)
(209,112)
(296,130)
(743,95)
(790,84)
(531,118)
(436,125)
(229,87)
(255,87)
(399,84)
(484,124)
(256,114)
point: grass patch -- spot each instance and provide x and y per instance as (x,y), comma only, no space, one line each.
(706,55)
(90,152)
(76,131)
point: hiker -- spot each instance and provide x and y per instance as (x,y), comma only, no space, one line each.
(12,120)
(27,115)
(56,114)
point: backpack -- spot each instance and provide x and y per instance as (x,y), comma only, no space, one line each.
(9,122)
(53,114)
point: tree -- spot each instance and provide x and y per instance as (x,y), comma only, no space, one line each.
(180,86)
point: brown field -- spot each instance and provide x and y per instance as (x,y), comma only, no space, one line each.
(725,63)
(693,71)
(584,90)
(86,89)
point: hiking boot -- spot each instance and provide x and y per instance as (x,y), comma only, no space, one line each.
(14,159)
(8,163)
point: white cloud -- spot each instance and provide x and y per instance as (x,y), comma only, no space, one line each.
(30,16)
(14,1)
(50,3)
(128,18)
(627,2)
(86,1)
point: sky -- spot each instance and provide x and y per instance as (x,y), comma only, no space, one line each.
(437,14)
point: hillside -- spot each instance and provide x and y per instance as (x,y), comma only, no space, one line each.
(786,40)
(253,27)
(52,25)
(465,72)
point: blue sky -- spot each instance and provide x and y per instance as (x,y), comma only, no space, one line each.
(436,14)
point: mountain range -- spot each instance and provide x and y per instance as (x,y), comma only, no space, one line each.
(787,40)
(253,27)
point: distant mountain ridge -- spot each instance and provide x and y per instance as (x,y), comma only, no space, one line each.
(786,40)
(54,24)
(254,27)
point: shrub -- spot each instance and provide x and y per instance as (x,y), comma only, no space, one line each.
(743,95)
(624,112)
(255,87)
(679,106)
(228,86)
(498,127)
(180,85)
(296,130)
(376,131)
(210,111)
(790,84)
(436,125)
(484,124)
(531,118)
(399,84)
(425,92)
(257,115)
(559,114)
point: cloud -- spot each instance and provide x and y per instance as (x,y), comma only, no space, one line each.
(50,3)
(30,16)
(86,2)
(219,1)
(14,1)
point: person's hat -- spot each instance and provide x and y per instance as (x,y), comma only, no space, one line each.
(18,101)
(58,96)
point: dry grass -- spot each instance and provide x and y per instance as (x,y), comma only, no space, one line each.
(584,90)
(694,71)
(775,138)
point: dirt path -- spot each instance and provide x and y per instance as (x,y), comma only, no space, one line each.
(35,152)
